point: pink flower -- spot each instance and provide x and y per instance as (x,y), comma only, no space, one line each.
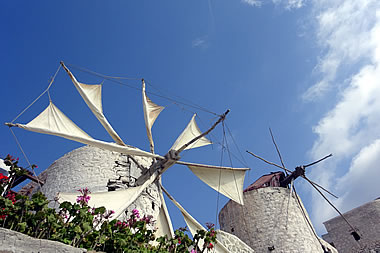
(193,251)
(136,213)
(210,246)
(209,225)
(84,198)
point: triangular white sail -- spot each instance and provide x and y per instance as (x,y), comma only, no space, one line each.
(163,222)
(191,131)
(228,181)
(118,201)
(52,121)
(194,225)
(151,112)
(92,95)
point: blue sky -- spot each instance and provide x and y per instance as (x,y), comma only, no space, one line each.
(307,69)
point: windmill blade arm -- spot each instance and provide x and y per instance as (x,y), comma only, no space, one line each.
(262,159)
(221,118)
(320,160)
(336,209)
(321,187)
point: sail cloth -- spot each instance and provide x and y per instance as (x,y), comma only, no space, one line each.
(191,131)
(194,225)
(92,95)
(228,181)
(52,121)
(151,112)
(163,221)
(118,201)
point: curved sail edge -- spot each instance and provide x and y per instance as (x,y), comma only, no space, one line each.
(92,95)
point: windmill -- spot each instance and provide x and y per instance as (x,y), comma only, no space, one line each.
(226,180)
(300,171)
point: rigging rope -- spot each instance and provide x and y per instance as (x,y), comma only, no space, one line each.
(244,162)
(305,217)
(47,89)
(116,80)
(229,156)
(26,158)
(219,183)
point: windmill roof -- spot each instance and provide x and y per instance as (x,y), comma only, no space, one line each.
(270,180)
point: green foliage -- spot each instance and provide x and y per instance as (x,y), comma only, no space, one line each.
(92,228)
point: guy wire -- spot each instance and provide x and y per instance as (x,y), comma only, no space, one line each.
(26,158)
(116,80)
(47,89)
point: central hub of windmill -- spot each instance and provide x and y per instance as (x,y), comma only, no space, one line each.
(299,171)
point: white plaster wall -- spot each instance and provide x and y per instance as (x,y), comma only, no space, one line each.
(267,221)
(93,167)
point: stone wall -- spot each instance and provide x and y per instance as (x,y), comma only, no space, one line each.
(270,221)
(233,243)
(366,220)
(100,170)
(15,242)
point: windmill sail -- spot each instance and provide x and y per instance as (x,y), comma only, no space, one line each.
(194,225)
(117,201)
(151,112)
(52,121)
(92,95)
(163,223)
(226,180)
(191,131)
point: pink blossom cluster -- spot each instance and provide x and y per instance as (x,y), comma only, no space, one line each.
(84,198)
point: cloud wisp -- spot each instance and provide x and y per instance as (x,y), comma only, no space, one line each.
(287,4)
(201,42)
(349,33)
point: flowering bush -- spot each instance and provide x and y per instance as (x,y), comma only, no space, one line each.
(80,225)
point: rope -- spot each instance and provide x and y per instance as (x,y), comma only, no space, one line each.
(244,162)
(229,156)
(112,79)
(47,89)
(220,177)
(101,75)
(26,158)
(307,220)
(188,102)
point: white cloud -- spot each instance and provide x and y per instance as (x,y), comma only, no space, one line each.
(343,29)
(290,4)
(349,33)
(201,42)
(256,3)
(287,4)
